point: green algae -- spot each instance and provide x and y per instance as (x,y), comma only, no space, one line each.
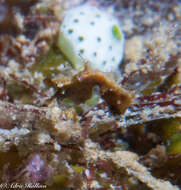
(172,135)
(93,100)
(152,87)
(19,92)
(174,146)
(50,64)
(68,103)
(78,169)
(60,182)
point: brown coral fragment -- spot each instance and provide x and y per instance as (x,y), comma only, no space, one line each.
(80,89)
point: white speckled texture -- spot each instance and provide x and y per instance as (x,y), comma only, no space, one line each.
(86,32)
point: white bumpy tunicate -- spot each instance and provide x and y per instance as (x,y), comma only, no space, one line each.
(90,34)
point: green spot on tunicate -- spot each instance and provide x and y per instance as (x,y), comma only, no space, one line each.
(98,39)
(81,51)
(98,15)
(81,38)
(95,54)
(116,32)
(70,31)
(92,23)
(104,62)
(76,20)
